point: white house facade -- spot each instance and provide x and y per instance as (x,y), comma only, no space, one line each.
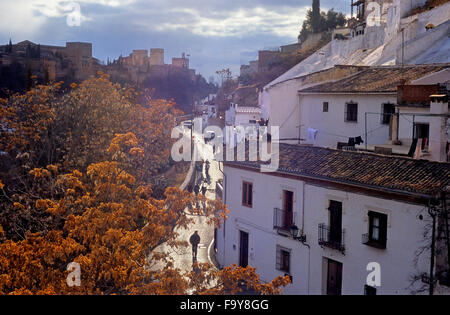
(243,115)
(350,213)
(341,103)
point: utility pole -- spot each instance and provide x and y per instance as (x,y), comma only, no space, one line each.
(403,47)
(224,74)
(433,213)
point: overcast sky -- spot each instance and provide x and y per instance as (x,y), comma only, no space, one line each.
(215,33)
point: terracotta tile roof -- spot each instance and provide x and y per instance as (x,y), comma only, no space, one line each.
(377,79)
(386,173)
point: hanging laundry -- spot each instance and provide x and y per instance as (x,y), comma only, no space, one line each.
(359,140)
(312,134)
(351,142)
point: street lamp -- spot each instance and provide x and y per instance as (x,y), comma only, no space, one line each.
(295,232)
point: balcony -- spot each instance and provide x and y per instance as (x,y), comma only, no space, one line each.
(283,221)
(366,240)
(332,238)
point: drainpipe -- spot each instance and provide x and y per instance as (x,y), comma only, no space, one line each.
(303,229)
(300,118)
(225,202)
(365,127)
(309,262)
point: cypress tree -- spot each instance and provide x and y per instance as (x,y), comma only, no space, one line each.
(10,47)
(315,17)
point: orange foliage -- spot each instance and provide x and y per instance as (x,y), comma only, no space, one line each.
(79,168)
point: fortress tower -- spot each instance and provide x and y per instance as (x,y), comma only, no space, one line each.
(156,57)
(182,62)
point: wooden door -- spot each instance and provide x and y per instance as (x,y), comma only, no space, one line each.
(243,249)
(334,278)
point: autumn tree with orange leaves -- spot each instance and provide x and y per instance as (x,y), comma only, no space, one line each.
(75,174)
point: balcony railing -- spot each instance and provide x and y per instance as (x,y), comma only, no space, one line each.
(331,238)
(366,240)
(283,220)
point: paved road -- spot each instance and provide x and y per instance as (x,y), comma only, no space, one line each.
(183,257)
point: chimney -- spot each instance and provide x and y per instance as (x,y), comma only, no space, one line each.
(438,125)
(395,129)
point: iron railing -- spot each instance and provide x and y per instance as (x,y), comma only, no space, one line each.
(283,220)
(332,238)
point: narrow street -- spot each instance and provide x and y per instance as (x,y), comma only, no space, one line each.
(183,256)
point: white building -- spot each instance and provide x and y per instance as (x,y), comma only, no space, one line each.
(353,209)
(354,102)
(400,39)
(420,127)
(243,115)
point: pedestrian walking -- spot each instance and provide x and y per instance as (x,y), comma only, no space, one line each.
(207,166)
(194,240)
(196,189)
(204,189)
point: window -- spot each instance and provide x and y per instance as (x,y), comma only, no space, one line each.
(288,208)
(351,112)
(377,236)
(283,259)
(332,235)
(368,290)
(247,194)
(325,107)
(388,111)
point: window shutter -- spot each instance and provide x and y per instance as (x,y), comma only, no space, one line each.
(383,228)
(244,193)
(278,258)
(346,112)
(250,194)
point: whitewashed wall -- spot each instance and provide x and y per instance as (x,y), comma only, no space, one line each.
(307,268)
(284,109)
(332,126)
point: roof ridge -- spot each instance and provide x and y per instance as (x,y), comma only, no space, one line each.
(392,157)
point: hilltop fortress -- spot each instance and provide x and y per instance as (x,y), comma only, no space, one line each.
(74,62)
(139,66)
(56,62)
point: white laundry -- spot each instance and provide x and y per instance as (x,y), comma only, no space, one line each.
(312,134)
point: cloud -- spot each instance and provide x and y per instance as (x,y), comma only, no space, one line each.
(217,33)
(238,23)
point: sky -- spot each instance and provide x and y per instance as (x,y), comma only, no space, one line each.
(216,34)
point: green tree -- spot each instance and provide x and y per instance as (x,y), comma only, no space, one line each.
(320,22)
